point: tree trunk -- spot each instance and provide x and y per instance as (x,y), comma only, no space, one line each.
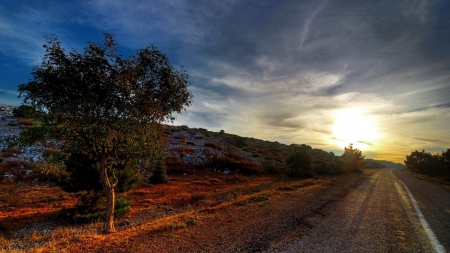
(110,197)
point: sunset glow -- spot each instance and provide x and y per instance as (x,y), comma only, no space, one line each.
(352,126)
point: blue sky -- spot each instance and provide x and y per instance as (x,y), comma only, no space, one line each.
(323,73)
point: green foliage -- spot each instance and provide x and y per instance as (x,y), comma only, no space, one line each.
(122,206)
(352,160)
(23,111)
(91,208)
(299,162)
(127,175)
(426,163)
(106,107)
(159,175)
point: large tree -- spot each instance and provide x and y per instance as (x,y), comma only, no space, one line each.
(107,107)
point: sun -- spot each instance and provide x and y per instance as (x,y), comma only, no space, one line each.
(352,126)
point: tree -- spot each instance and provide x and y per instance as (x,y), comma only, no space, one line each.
(159,175)
(426,163)
(107,107)
(352,159)
(299,162)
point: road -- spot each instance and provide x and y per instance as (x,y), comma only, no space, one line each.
(378,216)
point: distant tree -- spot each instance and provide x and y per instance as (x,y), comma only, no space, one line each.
(426,163)
(446,161)
(299,162)
(106,107)
(352,159)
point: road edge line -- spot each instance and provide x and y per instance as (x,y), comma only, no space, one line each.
(437,246)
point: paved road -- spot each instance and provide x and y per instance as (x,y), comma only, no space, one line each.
(378,216)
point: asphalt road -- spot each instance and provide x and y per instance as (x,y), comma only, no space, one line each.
(379,216)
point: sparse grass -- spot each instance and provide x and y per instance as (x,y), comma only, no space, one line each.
(241,203)
(191,199)
(183,150)
(260,198)
(197,196)
(192,221)
(214,146)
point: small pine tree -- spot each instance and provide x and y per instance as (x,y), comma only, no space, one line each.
(352,159)
(159,175)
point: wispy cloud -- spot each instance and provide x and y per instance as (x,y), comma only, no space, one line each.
(276,70)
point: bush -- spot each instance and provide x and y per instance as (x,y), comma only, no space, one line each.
(91,208)
(23,111)
(197,196)
(183,150)
(299,163)
(175,165)
(19,170)
(122,206)
(159,175)
(214,145)
(236,163)
(272,168)
(326,168)
(47,172)
(128,176)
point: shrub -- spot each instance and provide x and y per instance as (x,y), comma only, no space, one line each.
(183,150)
(299,163)
(91,208)
(122,206)
(47,172)
(326,168)
(272,168)
(236,164)
(159,175)
(23,111)
(18,169)
(197,196)
(128,176)
(214,145)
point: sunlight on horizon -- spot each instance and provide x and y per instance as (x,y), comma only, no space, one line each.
(353,126)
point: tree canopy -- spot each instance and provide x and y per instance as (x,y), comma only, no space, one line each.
(427,163)
(352,159)
(106,107)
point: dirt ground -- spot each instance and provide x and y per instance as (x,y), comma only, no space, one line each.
(200,212)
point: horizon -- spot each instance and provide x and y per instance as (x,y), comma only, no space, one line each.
(321,73)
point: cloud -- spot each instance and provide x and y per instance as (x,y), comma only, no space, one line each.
(275,70)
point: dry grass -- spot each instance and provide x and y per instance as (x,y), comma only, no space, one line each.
(179,205)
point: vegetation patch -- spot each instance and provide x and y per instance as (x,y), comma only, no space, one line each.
(260,198)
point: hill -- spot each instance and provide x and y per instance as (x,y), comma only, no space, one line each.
(388,164)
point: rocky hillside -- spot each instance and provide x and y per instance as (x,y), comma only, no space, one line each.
(190,149)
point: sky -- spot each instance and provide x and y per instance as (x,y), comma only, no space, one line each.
(322,73)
